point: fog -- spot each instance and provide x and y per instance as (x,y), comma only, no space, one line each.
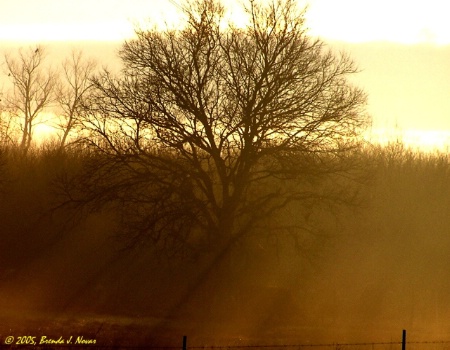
(379,268)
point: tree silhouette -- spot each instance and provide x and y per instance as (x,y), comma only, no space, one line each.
(72,91)
(33,90)
(212,130)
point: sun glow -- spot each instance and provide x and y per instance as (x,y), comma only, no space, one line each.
(55,20)
(399,21)
(423,140)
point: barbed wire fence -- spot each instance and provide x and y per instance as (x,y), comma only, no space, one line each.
(337,346)
(404,344)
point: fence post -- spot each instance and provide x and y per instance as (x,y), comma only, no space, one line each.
(184,342)
(404,340)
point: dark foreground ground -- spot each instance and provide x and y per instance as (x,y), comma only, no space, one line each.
(121,332)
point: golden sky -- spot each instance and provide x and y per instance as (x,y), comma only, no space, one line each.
(401,46)
(42,20)
(402,21)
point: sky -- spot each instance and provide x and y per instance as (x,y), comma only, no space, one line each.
(402,21)
(402,47)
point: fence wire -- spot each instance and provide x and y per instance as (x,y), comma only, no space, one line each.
(410,345)
(413,345)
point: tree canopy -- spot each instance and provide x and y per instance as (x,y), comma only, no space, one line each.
(212,129)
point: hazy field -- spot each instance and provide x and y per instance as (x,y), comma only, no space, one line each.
(380,268)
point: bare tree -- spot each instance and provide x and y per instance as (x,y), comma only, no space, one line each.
(211,130)
(32,91)
(5,129)
(4,123)
(72,91)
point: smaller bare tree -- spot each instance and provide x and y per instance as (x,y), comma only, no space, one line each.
(5,128)
(3,122)
(33,87)
(71,92)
